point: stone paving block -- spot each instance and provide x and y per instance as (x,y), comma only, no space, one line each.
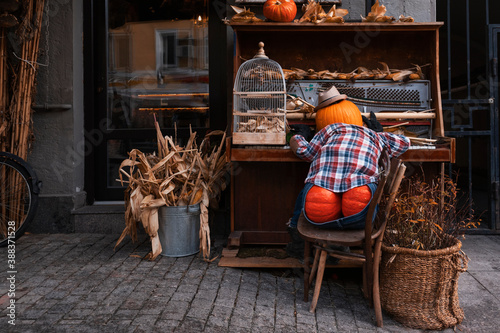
(56,294)
(310,328)
(49,318)
(225,299)
(205,296)
(220,316)
(241,320)
(125,314)
(145,320)
(266,301)
(166,325)
(60,308)
(175,310)
(261,319)
(199,313)
(285,329)
(155,306)
(306,318)
(191,325)
(285,320)
(328,327)
(238,329)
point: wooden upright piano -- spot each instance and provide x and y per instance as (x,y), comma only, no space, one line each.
(266,180)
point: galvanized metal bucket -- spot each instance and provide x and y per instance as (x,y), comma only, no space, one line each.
(179,230)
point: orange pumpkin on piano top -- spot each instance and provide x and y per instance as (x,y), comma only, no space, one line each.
(280,10)
(323,205)
(355,200)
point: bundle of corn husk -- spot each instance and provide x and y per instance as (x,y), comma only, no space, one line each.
(377,14)
(314,13)
(176,176)
(243,15)
(360,73)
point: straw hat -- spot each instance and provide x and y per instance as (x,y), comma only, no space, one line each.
(329,97)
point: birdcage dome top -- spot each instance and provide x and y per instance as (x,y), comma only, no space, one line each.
(260,74)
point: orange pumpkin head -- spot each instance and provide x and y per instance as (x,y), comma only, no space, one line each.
(355,200)
(323,205)
(342,112)
(280,10)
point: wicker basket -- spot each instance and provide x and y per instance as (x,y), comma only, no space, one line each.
(420,288)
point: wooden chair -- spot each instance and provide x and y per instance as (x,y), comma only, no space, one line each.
(369,239)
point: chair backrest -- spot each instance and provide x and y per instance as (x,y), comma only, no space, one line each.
(391,172)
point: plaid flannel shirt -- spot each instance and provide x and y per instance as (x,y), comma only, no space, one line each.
(346,156)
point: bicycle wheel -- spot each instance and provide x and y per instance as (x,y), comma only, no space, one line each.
(18,197)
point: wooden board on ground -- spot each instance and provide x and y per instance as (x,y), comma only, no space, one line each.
(230,258)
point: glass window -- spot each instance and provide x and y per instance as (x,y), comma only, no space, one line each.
(157,64)
(156,67)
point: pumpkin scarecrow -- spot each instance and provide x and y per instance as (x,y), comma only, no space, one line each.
(344,166)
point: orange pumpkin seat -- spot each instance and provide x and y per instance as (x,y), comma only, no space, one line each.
(355,200)
(323,205)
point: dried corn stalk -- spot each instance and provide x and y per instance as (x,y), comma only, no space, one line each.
(405,19)
(360,73)
(335,15)
(243,15)
(176,176)
(313,12)
(261,124)
(377,14)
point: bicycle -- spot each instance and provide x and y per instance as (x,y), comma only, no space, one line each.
(19,189)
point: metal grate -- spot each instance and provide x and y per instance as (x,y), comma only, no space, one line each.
(369,95)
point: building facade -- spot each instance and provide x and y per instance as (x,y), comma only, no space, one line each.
(108,66)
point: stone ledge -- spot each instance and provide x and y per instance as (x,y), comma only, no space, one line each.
(107,219)
(100,209)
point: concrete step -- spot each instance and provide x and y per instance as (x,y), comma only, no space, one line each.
(105,219)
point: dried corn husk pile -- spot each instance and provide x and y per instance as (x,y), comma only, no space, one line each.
(243,15)
(377,14)
(261,124)
(314,13)
(176,176)
(360,73)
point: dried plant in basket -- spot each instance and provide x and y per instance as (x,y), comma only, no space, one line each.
(424,215)
(176,176)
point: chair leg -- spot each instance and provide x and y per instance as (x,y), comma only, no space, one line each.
(307,269)
(365,283)
(315,266)
(368,272)
(376,286)
(319,280)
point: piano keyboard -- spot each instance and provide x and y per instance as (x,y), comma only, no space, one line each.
(421,147)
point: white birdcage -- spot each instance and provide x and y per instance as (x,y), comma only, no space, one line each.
(259,102)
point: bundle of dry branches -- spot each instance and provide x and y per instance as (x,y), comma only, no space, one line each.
(424,214)
(17,88)
(176,176)
(17,95)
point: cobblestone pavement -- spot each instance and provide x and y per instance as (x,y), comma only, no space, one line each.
(79,283)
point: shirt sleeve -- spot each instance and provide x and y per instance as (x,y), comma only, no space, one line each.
(397,144)
(308,150)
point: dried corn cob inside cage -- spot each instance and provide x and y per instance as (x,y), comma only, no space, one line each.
(259,102)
